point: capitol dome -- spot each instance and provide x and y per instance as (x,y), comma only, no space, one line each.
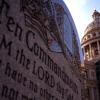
(91,40)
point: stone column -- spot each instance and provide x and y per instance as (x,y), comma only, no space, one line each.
(98,47)
(83,51)
(90,51)
(91,94)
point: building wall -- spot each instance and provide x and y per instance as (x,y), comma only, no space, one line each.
(90,82)
(98,74)
(91,49)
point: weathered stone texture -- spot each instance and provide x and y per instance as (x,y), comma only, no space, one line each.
(29,70)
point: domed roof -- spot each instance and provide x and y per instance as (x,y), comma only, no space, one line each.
(95,23)
(92,27)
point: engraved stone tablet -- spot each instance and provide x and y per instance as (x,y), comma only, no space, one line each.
(36,51)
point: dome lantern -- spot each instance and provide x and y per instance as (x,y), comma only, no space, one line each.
(96,15)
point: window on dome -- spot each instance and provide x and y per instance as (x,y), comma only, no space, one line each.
(99,33)
(94,34)
(88,36)
(87,52)
(94,49)
(85,39)
(96,52)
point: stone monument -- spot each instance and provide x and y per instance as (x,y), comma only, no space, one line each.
(37,50)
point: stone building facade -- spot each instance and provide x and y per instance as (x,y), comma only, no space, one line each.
(91,50)
(39,51)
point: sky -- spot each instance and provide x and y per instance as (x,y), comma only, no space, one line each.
(81,11)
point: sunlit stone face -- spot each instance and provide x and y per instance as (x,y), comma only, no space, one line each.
(66,28)
(68,32)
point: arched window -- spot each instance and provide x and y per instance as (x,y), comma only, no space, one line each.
(88,36)
(94,34)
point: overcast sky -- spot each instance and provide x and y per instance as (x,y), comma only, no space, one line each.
(81,11)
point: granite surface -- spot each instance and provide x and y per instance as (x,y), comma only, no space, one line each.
(30,68)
